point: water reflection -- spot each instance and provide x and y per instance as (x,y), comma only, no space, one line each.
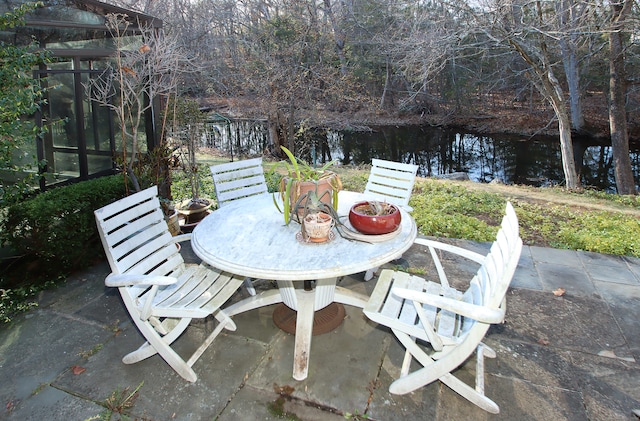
(510,159)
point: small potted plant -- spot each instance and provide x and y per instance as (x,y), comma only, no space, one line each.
(194,209)
(374,218)
(317,220)
(301,178)
(316,227)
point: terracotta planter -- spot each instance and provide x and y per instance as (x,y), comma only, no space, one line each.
(192,212)
(374,224)
(300,188)
(173,222)
(194,209)
(317,227)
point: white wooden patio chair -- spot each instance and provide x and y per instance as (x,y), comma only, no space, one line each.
(391,182)
(160,292)
(441,327)
(236,181)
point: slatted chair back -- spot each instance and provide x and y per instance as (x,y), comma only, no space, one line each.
(159,291)
(453,323)
(136,237)
(391,181)
(239,179)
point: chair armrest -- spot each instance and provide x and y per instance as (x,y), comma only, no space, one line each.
(471,255)
(182,237)
(472,311)
(130,279)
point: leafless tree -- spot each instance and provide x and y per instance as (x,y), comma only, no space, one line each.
(144,69)
(617,97)
(531,29)
(573,18)
(300,53)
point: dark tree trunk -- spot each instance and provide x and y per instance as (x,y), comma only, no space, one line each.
(617,93)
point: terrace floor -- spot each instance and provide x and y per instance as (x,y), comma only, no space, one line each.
(568,357)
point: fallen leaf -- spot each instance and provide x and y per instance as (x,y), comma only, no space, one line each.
(76,369)
(128,70)
(559,292)
(543,341)
(285,390)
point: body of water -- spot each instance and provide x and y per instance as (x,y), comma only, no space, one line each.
(438,152)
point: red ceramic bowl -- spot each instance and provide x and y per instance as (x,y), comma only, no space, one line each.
(373,224)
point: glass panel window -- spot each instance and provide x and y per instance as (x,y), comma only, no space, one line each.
(81,136)
(56,12)
(98,128)
(99,164)
(60,142)
(66,38)
(62,115)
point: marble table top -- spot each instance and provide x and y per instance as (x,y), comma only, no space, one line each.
(248,237)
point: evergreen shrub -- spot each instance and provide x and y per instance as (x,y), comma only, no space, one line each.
(55,231)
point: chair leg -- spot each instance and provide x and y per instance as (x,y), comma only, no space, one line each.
(368,275)
(435,370)
(146,350)
(223,319)
(409,382)
(248,284)
(194,357)
(160,345)
(481,352)
(470,394)
(406,364)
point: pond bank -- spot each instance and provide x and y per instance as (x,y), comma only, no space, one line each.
(515,118)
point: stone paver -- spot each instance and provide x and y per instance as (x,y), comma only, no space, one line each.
(570,357)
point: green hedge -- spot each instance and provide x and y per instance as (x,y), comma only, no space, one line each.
(56,231)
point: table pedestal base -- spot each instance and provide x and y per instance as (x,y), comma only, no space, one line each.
(324,320)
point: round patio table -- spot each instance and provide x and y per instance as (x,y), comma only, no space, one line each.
(248,237)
